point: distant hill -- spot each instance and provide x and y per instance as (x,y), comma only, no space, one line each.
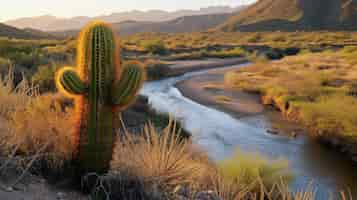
(179,25)
(291,15)
(12,32)
(52,23)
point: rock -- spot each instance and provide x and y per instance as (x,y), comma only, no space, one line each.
(9,189)
(274,132)
(61,195)
(141,104)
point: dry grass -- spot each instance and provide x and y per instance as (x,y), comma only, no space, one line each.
(160,159)
(41,121)
(247,169)
(317,89)
(31,121)
(12,97)
(34,132)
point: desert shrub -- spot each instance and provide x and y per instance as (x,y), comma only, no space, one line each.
(330,115)
(250,171)
(236,52)
(34,121)
(256,57)
(155,47)
(42,122)
(274,54)
(254,38)
(159,159)
(156,69)
(229,190)
(27,60)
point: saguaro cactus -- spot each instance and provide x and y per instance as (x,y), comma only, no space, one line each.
(101,89)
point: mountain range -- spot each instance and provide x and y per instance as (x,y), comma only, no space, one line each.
(264,15)
(291,15)
(9,31)
(52,23)
(195,23)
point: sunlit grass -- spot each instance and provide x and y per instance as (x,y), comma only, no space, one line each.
(247,170)
(34,121)
(317,89)
(160,158)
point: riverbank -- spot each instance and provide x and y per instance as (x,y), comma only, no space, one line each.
(315,90)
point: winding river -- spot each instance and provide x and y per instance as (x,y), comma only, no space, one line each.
(220,134)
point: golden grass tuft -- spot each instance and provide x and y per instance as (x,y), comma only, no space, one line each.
(159,158)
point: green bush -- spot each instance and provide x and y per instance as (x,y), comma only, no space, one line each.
(155,47)
(27,60)
(156,69)
(236,52)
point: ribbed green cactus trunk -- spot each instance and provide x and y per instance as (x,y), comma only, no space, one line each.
(101,89)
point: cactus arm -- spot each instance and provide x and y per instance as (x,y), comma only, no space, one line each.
(68,82)
(126,90)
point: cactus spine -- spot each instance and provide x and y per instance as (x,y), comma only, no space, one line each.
(100,89)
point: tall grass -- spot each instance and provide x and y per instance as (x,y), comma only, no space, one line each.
(330,115)
(43,122)
(33,121)
(13,97)
(160,158)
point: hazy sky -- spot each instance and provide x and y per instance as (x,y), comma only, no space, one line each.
(11,9)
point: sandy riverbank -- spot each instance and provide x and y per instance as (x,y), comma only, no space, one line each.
(208,89)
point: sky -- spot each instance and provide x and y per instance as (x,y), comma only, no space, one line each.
(12,9)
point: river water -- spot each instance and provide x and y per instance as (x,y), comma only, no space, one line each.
(221,134)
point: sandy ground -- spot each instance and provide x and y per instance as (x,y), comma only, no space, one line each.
(35,188)
(208,89)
